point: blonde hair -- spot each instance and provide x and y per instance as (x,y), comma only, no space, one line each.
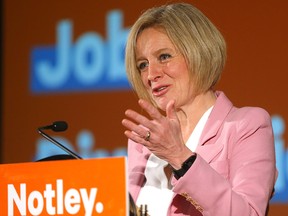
(192,33)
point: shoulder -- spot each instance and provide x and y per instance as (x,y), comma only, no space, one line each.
(251,123)
(243,114)
(250,115)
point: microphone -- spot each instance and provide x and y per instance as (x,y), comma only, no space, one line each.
(57,126)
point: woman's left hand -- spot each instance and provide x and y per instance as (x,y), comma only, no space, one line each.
(160,134)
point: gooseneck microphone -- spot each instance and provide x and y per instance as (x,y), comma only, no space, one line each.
(57,126)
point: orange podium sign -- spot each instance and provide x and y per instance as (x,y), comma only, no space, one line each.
(66,187)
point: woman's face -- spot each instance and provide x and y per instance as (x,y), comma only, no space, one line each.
(163,69)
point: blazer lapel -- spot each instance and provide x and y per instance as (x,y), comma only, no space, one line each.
(208,148)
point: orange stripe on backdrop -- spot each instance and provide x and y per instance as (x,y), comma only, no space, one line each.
(81,187)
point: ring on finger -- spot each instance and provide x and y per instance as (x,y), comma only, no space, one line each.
(148,135)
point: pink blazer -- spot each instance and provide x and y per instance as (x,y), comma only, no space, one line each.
(234,173)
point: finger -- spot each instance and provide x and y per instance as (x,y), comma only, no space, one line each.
(136,138)
(138,118)
(150,109)
(170,110)
(137,129)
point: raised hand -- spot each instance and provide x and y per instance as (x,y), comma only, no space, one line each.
(160,134)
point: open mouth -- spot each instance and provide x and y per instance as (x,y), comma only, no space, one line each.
(159,90)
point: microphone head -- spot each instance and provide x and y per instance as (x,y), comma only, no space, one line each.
(59,126)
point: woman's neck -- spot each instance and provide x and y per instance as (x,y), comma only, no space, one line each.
(191,113)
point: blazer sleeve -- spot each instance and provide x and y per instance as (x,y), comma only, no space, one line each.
(137,159)
(249,155)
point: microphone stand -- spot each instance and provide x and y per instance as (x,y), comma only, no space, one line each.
(143,211)
(55,142)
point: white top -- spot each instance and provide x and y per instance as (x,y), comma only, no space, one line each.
(157,192)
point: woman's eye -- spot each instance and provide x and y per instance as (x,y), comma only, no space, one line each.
(164,56)
(142,66)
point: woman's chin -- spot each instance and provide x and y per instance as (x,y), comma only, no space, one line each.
(162,105)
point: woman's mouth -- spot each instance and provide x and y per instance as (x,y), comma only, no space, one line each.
(159,91)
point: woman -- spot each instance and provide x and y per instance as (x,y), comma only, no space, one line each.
(194,153)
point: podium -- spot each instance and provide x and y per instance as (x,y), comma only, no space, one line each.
(66,187)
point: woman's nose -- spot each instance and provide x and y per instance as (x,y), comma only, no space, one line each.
(154,72)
